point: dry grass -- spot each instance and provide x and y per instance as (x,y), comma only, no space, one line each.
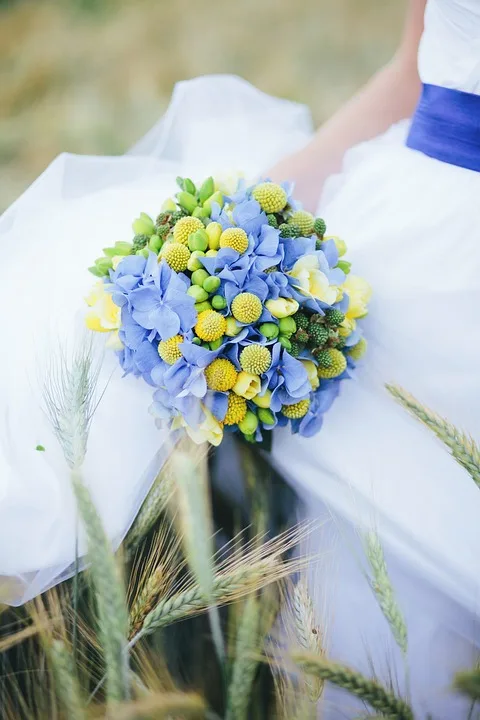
(93,82)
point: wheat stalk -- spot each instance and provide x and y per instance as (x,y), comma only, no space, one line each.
(245,664)
(66,681)
(69,393)
(164,705)
(307,631)
(383,590)
(468,683)
(462,446)
(368,690)
(154,504)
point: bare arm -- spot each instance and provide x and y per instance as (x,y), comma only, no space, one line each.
(389,96)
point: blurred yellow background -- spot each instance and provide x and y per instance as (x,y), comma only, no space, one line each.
(91,76)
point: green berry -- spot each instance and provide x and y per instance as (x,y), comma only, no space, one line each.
(198,293)
(162,231)
(296,348)
(139,242)
(334,318)
(318,244)
(177,215)
(301,320)
(289,231)
(218,302)
(272,221)
(211,284)
(323,357)
(318,334)
(201,306)
(163,218)
(301,336)
(215,344)
(199,277)
(320,227)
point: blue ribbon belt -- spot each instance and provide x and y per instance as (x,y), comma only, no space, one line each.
(446,126)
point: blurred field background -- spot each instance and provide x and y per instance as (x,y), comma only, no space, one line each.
(91,76)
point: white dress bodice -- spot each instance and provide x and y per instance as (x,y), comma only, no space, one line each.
(449,52)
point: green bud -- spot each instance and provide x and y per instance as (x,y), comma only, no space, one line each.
(233,328)
(269,330)
(189,186)
(218,302)
(250,439)
(217,197)
(187,201)
(201,213)
(169,205)
(266,416)
(197,292)
(179,180)
(196,341)
(143,225)
(103,265)
(344,265)
(214,231)
(95,271)
(287,326)
(194,261)
(198,241)
(211,284)
(120,248)
(144,252)
(211,253)
(201,306)
(215,344)
(155,244)
(285,342)
(249,423)
(199,277)
(207,189)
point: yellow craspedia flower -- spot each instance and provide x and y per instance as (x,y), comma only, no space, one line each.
(358,351)
(221,375)
(234,238)
(304,221)
(210,325)
(272,197)
(236,410)
(185,227)
(255,359)
(104,315)
(248,385)
(297,410)
(312,372)
(169,349)
(337,367)
(359,293)
(246,308)
(176,255)
(310,280)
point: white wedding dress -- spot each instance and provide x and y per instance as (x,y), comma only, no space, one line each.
(412,226)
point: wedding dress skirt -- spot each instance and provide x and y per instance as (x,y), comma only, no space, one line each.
(411,224)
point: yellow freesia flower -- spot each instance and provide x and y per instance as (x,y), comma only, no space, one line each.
(103,315)
(359,293)
(247,385)
(312,281)
(312,373)
(209,429)
(282,307)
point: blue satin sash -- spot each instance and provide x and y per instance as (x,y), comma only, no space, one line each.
(446,126)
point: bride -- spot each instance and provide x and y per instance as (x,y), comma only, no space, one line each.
(407,204)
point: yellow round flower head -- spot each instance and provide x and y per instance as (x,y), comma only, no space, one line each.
(234,238)
(169,350)
(297,410)
(272,197)
(358,351)
(236,410)
(255,359)
(221,375)
(304,220)
(210,326)
(246,308)
(185,227)
(176,255)
(337,367)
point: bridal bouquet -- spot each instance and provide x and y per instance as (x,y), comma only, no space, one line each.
(236,308)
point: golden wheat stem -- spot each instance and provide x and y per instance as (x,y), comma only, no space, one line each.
(368,690)
(308,632)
